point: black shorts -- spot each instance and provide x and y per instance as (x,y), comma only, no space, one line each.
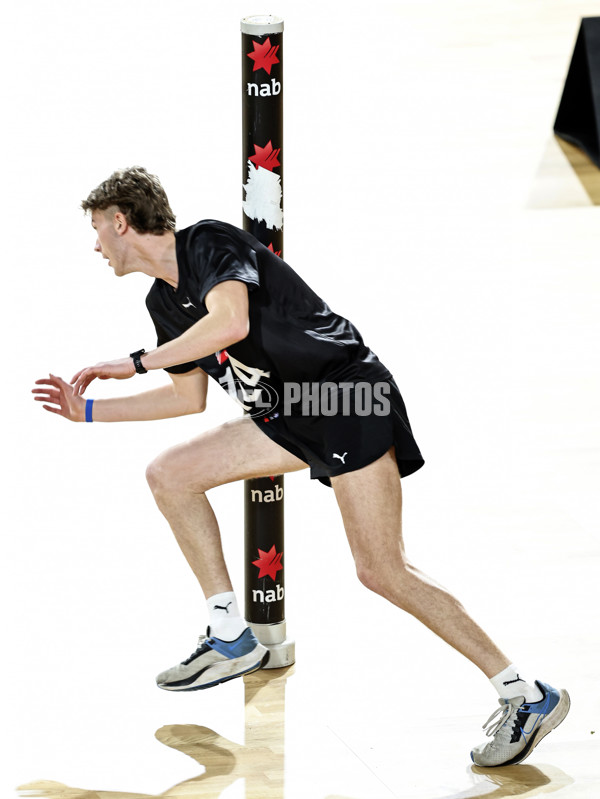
(335,444)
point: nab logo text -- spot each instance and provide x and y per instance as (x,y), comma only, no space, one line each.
(264,89)
(256,495)
(272,595)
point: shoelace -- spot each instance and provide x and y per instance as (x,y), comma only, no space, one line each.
(201,641)
(494,725)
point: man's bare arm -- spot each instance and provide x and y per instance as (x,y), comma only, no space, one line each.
(226,323)
(185,394)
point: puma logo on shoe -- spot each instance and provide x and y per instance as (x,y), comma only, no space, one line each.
(519,679)
(220,607)
(341,457)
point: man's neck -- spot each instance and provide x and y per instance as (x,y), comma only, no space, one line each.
(157,257)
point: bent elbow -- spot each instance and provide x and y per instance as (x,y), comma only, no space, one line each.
(240,330)
(190,404)
(197,404)
(196,407)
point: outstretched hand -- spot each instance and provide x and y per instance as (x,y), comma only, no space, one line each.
(118,370)
(62,398)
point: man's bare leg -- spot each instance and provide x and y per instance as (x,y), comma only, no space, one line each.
(180,476)
(370,500)
(179,479)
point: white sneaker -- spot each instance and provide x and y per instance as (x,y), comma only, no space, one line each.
(520,727)
(215,661)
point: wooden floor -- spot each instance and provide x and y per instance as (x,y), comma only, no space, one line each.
(426,199)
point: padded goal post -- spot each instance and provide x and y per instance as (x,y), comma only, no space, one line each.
(262,170)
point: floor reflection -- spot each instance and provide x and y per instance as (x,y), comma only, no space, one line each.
(585,169)
(566,178)
(513,781)
(260,759)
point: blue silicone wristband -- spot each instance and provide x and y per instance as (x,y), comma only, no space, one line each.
(89,404)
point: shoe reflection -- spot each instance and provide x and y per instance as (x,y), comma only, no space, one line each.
(513,781)
(260,759)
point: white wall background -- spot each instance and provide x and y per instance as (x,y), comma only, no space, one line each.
(414,136)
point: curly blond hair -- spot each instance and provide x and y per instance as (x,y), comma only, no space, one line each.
(138,195)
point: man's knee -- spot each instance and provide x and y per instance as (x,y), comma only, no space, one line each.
(155,476)
(389,580)
(370,576)
(163,477)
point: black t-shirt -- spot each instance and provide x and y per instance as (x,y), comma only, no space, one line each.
(294,335)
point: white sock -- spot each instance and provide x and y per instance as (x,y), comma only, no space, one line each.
(510,684)
(224,617)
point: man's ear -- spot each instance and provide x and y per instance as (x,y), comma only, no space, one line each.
(120,223)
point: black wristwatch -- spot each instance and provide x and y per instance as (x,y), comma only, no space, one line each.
(137,361)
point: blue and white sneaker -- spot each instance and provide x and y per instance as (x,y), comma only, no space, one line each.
(520,727)
(215,661)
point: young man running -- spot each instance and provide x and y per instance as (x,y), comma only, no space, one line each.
(225,306)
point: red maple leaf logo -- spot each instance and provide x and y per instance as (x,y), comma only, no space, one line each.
(269,563)
(265,156)
(270,247)
(264,56)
